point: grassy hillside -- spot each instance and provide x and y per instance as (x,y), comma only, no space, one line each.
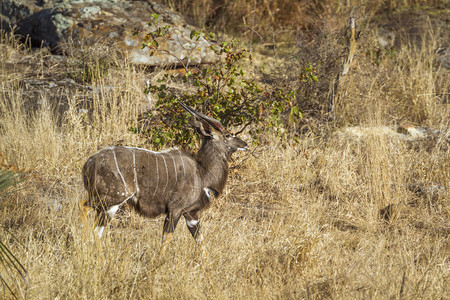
(351,209)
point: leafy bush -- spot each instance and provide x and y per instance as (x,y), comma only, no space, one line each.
(223,91)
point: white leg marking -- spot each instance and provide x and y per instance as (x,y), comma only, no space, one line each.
(120,173)
(113,209)
(135,173)
(99,230)
(192,223)
(199,238)
(157,176)
(209,192)
(167,175)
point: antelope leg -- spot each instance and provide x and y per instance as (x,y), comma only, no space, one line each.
(170,223)
(193,224)
(100,222)
(84,210)
(104,216)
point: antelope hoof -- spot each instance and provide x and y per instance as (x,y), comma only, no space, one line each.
(199,239)
(165,242)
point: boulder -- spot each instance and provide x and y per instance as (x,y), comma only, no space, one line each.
(57,24)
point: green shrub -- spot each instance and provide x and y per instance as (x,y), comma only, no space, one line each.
(223,91)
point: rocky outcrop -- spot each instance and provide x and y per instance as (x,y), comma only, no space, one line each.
(415,138)
(56,24)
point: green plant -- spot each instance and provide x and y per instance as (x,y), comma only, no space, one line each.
(308,74)
(224,91)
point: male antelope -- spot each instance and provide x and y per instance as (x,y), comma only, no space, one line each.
(172,182)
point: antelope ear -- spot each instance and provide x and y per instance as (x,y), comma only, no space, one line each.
(202,127)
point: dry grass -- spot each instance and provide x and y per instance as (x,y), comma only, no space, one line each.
(268,21)
(406,86)
(296,220)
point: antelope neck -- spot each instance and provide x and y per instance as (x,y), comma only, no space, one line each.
(213,166)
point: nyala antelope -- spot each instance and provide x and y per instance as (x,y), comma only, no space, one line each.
(174,183)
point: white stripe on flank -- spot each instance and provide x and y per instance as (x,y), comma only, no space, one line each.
(120,173)
(167,175)
(176,172)
(157,176)
(135,173)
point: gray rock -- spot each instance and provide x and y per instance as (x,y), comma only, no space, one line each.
(386,38)
(12,12)
(52,23)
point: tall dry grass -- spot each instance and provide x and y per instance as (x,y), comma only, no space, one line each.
(406,86)
(267,21)
(297,220)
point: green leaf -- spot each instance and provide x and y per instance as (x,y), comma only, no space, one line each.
(155,17)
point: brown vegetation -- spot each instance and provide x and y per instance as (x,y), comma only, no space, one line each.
(341,213)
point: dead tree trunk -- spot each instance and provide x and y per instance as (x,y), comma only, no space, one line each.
(345,68)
